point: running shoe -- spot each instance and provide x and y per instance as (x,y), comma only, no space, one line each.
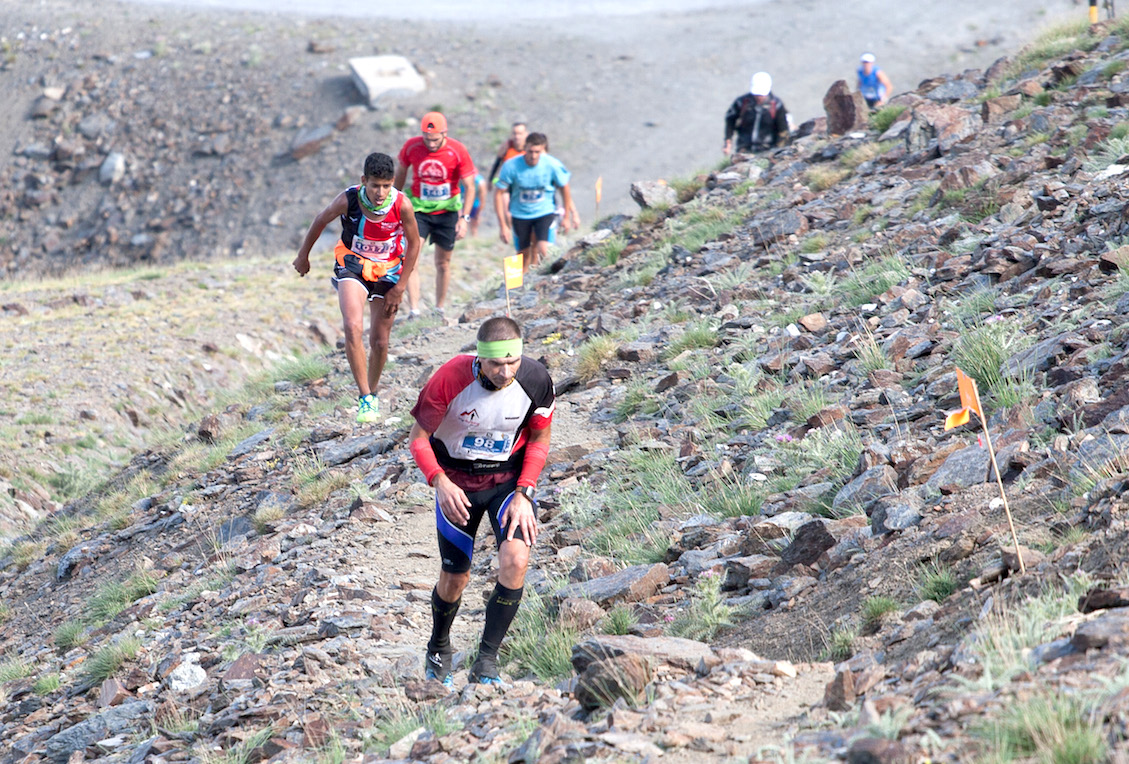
(369,409)
(437,666)
(485,671)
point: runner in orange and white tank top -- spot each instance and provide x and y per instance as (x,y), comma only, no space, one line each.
(375,255)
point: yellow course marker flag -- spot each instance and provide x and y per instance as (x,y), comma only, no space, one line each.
(599,188)
(512,268)
(969,402)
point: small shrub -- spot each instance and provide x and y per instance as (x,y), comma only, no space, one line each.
(392,727)
(608,251)
(637,396)
(874,609)
(302,369)
(731,498)
(983,347)
(1108,151)
(24,553)
(881,119)
(875,278)
(1058,728)
(706,614)
(106,662)
(620,620)
(686,188)
(870,354)
(817,242)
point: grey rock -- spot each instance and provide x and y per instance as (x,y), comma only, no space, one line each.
(112,169)
(896,513)
(234,528)
(846,110)
(867,488)
(1039,357)
(1050,651)
(335,453)
(1096,455)
(1110,629)
(115,720)
(73,558)
(954,90)
(186,677)
(247,445)
(653,193)
(685,654)
(628,585)
(308,142)
(96,126)
(771,228)
(37,151)
(810,541)
(963,468)
(1116,422)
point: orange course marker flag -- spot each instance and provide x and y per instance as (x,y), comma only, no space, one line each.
(599,188)
(969,402)
(511,266)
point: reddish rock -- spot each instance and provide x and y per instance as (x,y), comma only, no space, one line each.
(605,681)
(839,694)
(846,109)
(112,693)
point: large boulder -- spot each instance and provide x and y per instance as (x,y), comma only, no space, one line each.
(653,193)
(947,125)
(846,109)
(675,652)
(116,720)
(628,585)
(378,76)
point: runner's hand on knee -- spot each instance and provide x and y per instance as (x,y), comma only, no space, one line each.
(519,515)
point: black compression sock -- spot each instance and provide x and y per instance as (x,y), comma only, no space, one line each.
(442,616)
(500,612)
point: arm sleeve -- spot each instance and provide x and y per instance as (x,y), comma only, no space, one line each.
(544,397)
(505,178)
(494,169)
(561,176)
(782,124)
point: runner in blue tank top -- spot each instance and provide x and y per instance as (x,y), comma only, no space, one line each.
(874,85)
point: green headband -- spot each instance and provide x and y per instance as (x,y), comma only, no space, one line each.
(500,349)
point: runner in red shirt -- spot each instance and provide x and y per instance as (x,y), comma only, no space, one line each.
(438,164)
(481,438)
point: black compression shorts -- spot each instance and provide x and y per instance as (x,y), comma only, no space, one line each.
(456,542)
(526,229)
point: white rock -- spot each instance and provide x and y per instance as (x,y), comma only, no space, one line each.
(377,76)
(186,676)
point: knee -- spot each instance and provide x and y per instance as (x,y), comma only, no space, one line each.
(354,331)
(378,341)
(513,560)
(451,585)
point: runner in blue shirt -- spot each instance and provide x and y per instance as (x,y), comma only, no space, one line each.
(525,200)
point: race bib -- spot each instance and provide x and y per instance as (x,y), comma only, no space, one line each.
(434,192)
(374,249)
(487,443)
(530,195)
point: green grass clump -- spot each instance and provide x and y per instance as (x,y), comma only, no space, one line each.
(46,684)
(637,397)
(936,583)
(266,515)
(982,348)
(841,644)
(862,286)
(881,119)
(538,643)
(1055,728)
(1051,44)
(870,354)
(698,335)
(106,662)
(685,188)
(302,369)
(608,251)
(113,597)
(313,482)
(730,498)
(621,619)
(24,553)
(706,614)
(13,669)
(820,178)
(874,609)
(70,635)
(594,354)
(1107,152)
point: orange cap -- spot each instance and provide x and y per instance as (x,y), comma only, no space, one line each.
(433,122)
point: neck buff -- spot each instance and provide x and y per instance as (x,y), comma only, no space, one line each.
(362,195)
(500,349)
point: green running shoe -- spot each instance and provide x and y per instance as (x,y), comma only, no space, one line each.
(369,410)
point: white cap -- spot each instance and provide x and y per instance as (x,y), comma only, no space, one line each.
(761,84)
(867,58)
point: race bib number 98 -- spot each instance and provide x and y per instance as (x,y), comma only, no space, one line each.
(486,443)
(435,192)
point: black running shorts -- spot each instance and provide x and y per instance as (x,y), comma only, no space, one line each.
(440,226)
(456,542)
(526,229)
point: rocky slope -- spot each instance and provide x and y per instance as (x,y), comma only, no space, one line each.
(753,375)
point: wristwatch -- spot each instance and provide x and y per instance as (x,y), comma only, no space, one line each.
(466,218)
(529,491)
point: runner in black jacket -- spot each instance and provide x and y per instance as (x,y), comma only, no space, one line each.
(758,118)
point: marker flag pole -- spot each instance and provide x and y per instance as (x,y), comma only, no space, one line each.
(970,402)
(1093,11)
(599,194)
(512,271)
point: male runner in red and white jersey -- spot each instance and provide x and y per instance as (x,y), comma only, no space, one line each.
(377,252)
(438,164)
(481,438)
